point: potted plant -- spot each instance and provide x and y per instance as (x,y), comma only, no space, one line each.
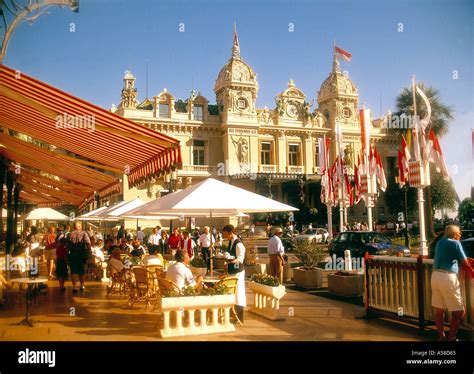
(179,311)
(346,283)
(198,266)
(250,262)
(267,295)
(310,254)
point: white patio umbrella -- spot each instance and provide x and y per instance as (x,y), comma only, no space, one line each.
(211,197)
(124,208)
(92,215)
(45,213)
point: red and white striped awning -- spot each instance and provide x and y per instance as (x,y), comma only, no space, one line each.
(92,137)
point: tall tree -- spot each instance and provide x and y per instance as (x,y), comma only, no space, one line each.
(441,115)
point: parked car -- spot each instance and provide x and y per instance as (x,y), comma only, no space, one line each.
(317,235)
(468,246)
(358,242)
(288,240)
(467,234)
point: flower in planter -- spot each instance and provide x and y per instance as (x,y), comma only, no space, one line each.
(219,289)
(265,279)
(309,253)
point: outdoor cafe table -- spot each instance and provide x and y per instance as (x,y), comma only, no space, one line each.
(30,282)
(211,280)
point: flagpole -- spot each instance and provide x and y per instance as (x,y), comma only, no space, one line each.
(340,187)
(368,202)
(328,198)
(423,251)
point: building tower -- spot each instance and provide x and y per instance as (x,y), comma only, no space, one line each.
(129,92)
(236,90)
(338,101)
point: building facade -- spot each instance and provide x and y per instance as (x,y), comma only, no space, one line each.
(271,151)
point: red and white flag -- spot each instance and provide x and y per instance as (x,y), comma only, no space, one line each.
(323,153)
(405,150)
(381,174)
(435,155)
(342,54)
(402,169)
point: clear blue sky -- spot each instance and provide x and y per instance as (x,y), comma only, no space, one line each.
(112,35)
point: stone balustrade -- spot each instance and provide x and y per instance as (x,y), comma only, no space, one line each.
(179,315)
(267,300)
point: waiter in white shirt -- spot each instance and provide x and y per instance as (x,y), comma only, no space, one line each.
(235,267)
(154,241)
(206,242)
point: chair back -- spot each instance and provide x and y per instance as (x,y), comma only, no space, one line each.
(167,286)
(160,273)
(140,274)
(230,283)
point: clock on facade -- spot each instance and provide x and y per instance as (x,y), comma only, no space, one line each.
(292,110)
(346,112)
(241,103)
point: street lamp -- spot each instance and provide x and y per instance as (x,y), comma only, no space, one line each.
(13,14)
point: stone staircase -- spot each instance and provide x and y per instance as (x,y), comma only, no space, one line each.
(260,242)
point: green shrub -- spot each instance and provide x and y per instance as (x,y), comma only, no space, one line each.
(265,279)
(309,253)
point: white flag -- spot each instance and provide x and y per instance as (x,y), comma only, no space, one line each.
(425,121)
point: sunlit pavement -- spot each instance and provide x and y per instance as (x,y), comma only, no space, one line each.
(93,316)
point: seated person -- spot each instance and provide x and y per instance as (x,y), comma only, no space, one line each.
(18,261)
(180,274)
(115,262)
(154,258)
(97,251)
(138,250)
(4,282)
(125,246)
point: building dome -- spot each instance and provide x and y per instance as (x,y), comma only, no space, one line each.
(236,73)
(336,85)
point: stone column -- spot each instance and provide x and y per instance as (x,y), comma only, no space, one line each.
(2,182)
(308,159)
(16,198)
(281,152)
(9,239)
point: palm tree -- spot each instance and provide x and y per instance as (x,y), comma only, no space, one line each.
(441,115)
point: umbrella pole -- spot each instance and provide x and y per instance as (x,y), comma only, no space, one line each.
(212,248)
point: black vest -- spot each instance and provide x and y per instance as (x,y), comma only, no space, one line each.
(234,268)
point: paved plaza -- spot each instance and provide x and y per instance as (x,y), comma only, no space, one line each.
(101,318)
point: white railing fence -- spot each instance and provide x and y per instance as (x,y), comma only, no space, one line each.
(393,285)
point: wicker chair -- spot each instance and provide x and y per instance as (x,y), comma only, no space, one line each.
(231,284)
(142,289)
(120,281)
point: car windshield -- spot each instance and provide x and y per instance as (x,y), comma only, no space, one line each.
(309,232)
(468,246)
(372,237)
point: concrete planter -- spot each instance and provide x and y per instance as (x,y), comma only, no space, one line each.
(198,271)
(255,269)
(267,300)
(182,310)
(309,279)
(346,285)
